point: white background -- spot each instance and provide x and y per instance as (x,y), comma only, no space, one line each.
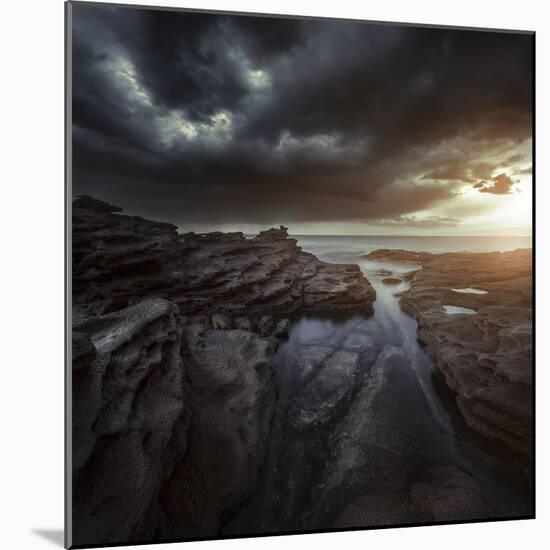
(31,299)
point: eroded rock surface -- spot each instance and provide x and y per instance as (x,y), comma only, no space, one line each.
(353,444)
(485,358)
(118,260)
(173,344)
(447,494)
(229,373)
(130,419)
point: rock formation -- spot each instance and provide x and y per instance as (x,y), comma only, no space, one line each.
(172,378)
(119,260)
(447,494)
(485,358)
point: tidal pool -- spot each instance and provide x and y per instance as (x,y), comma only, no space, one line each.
(456,310)
(469,290)
(360,414)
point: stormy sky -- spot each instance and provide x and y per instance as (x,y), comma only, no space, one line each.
(329,127)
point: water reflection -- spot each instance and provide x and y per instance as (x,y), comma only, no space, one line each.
(312,330)
(359,414)
(469,290)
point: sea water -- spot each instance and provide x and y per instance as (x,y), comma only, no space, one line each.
(402,411)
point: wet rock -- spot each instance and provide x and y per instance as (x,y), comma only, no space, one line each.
(377,511)
(119,259)
(84,351)
(134,372)
(307,359)
(231,374)
(129,392)
(485,358)
(391,281)
(453,495)
(173,404)
(281,329)
(448,494)
(243,323)
(331,384)
(220,322)
(200,320)
(265,324)
(358,342)
(365,448)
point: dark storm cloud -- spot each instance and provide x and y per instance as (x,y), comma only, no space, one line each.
(513,159)
(449,172)
(195,117)
(501,185)
(483,170)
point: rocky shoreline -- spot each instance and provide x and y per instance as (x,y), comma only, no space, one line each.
(173,344)
(484,350)
(175,391)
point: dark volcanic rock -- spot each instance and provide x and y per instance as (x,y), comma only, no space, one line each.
(281,330)
(233,398)
(173,344)
(449,494)
(150,460)
(484,358)
(332,382)
(265,325)
(118,260)
(130,419)
(87,202)
(220,322)
(391,281)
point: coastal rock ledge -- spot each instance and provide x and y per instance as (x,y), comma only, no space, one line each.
(474,313)
(173,390)
(119,260)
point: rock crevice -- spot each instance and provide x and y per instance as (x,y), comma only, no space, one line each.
(485,357)
(172,375)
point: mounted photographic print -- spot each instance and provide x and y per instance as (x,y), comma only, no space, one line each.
(299,274)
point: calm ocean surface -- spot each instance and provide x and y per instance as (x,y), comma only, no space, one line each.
(327,247)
